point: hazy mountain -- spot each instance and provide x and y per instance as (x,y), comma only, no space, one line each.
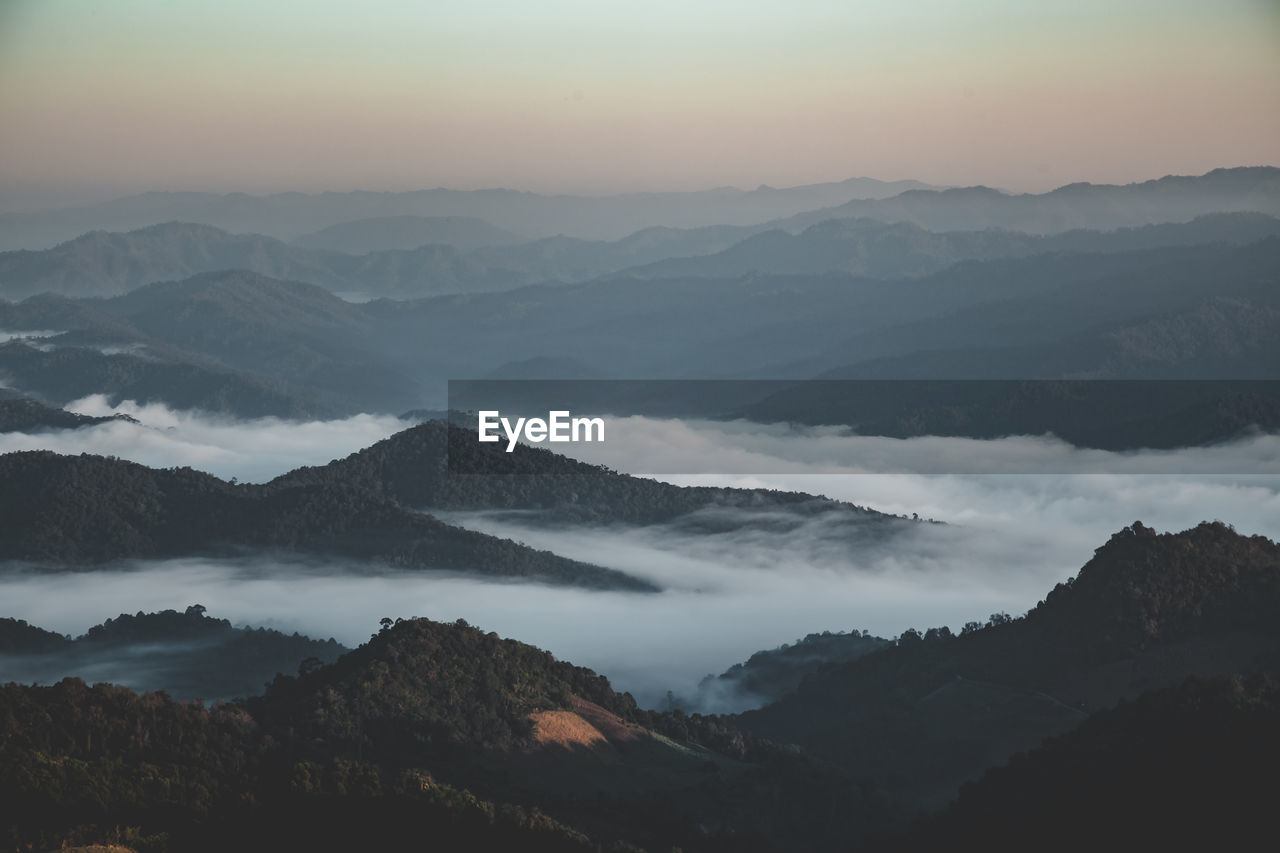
(298,334)
(889,250)
(288,216)
(1221,337)
(188,655)
(108,264)
(91,510)
(65,373)
(102,264)
(1146,612)
(799,326)
(1095,206)
(1179,311)
(1110,415)
(1195,312)
(407,232)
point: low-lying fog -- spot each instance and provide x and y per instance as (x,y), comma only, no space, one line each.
(1008,538)
(253,451)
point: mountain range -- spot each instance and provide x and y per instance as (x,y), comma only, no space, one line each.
(1148,679)
(372,506)
(244,344)
(109,264)
(289,216)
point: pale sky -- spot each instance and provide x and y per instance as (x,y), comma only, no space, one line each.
(106,97)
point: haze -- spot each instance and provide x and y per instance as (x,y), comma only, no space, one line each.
(103,99)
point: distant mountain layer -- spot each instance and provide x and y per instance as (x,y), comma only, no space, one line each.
(388,233)
(188,655)
(245,344)
(1169,199)
(287,216)
(889,250)
(108,264)
(1107,415)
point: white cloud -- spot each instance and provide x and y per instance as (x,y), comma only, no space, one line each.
(252,450)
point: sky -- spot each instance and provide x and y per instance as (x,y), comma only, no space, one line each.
(105,97)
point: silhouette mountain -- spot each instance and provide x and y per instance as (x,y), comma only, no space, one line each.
(1146,612)
(90,509)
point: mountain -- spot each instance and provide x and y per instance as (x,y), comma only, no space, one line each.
(187,655)
(428,730)
(1070,316)
(436,466)
(1146,612)
(798,326)
(108,264)
(445,731)
(387,233)
(1189,766)
(890,250)
(231,341)
(1108,415)
(67,373)
(287,216)
(1173,198)
(769,675)
(91,510)
(1200,311)
(1221,337)
(22,414)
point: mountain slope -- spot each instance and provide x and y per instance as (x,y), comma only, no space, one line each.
(287,216)
(90,509)
(1146,612)
(381,234)
(1173,198)
(1191,766)
(890,250)
(384,739)
(439,466)
(188,655)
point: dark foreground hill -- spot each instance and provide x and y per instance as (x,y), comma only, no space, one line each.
(1146,612)
(373,750)
(379,746)
(1191,767)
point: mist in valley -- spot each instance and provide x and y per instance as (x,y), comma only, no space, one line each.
(733,581)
